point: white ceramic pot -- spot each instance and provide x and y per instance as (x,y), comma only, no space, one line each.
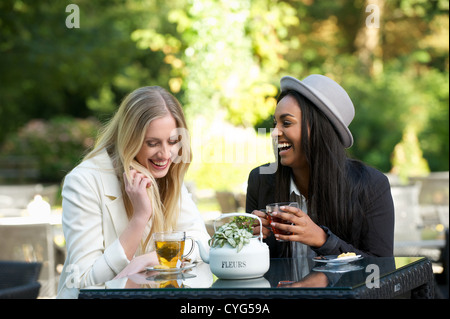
(252,261)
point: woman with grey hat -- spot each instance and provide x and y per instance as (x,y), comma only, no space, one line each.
(344,205)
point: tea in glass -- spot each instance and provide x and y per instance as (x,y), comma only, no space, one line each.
(275,207)
(169,252)
(169,248)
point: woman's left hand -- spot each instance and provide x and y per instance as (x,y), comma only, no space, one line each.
(138,264)
(303,229)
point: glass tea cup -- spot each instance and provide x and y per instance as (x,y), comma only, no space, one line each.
(170,248)
(275,207)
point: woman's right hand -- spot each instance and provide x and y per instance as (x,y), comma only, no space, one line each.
(266,230)
(136,190)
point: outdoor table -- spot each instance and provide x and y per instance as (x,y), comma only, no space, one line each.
(369,277)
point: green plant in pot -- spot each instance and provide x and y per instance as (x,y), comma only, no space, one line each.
(234,253)
(236,233)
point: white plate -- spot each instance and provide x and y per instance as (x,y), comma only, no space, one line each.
(171,270)
(332,259)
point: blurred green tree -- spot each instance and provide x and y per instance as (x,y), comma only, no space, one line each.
(224,59)
(225,55)
(49,70)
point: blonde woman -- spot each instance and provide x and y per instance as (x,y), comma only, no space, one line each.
(127,188)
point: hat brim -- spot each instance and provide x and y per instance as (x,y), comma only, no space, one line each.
(323,104)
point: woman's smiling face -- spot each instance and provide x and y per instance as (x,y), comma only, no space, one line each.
(155,153)
(287,129)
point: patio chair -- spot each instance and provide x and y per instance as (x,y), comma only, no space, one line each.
(18,279)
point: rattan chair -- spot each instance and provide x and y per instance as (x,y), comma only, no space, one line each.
(18,279)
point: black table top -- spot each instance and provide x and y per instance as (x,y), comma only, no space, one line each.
(369,277)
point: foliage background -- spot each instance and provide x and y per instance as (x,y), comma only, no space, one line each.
(223,61)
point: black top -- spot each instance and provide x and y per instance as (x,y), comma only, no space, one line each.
(377,237)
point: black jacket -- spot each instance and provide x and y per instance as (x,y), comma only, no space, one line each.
(376,238)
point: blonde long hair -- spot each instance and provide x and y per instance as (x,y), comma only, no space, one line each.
(123,137)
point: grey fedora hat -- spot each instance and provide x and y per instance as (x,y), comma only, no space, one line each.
(329,97)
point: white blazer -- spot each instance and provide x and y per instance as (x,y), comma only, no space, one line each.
(94,217)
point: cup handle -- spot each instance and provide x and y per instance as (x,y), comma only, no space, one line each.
(192,247)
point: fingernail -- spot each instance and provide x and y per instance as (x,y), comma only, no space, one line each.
(282,207)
